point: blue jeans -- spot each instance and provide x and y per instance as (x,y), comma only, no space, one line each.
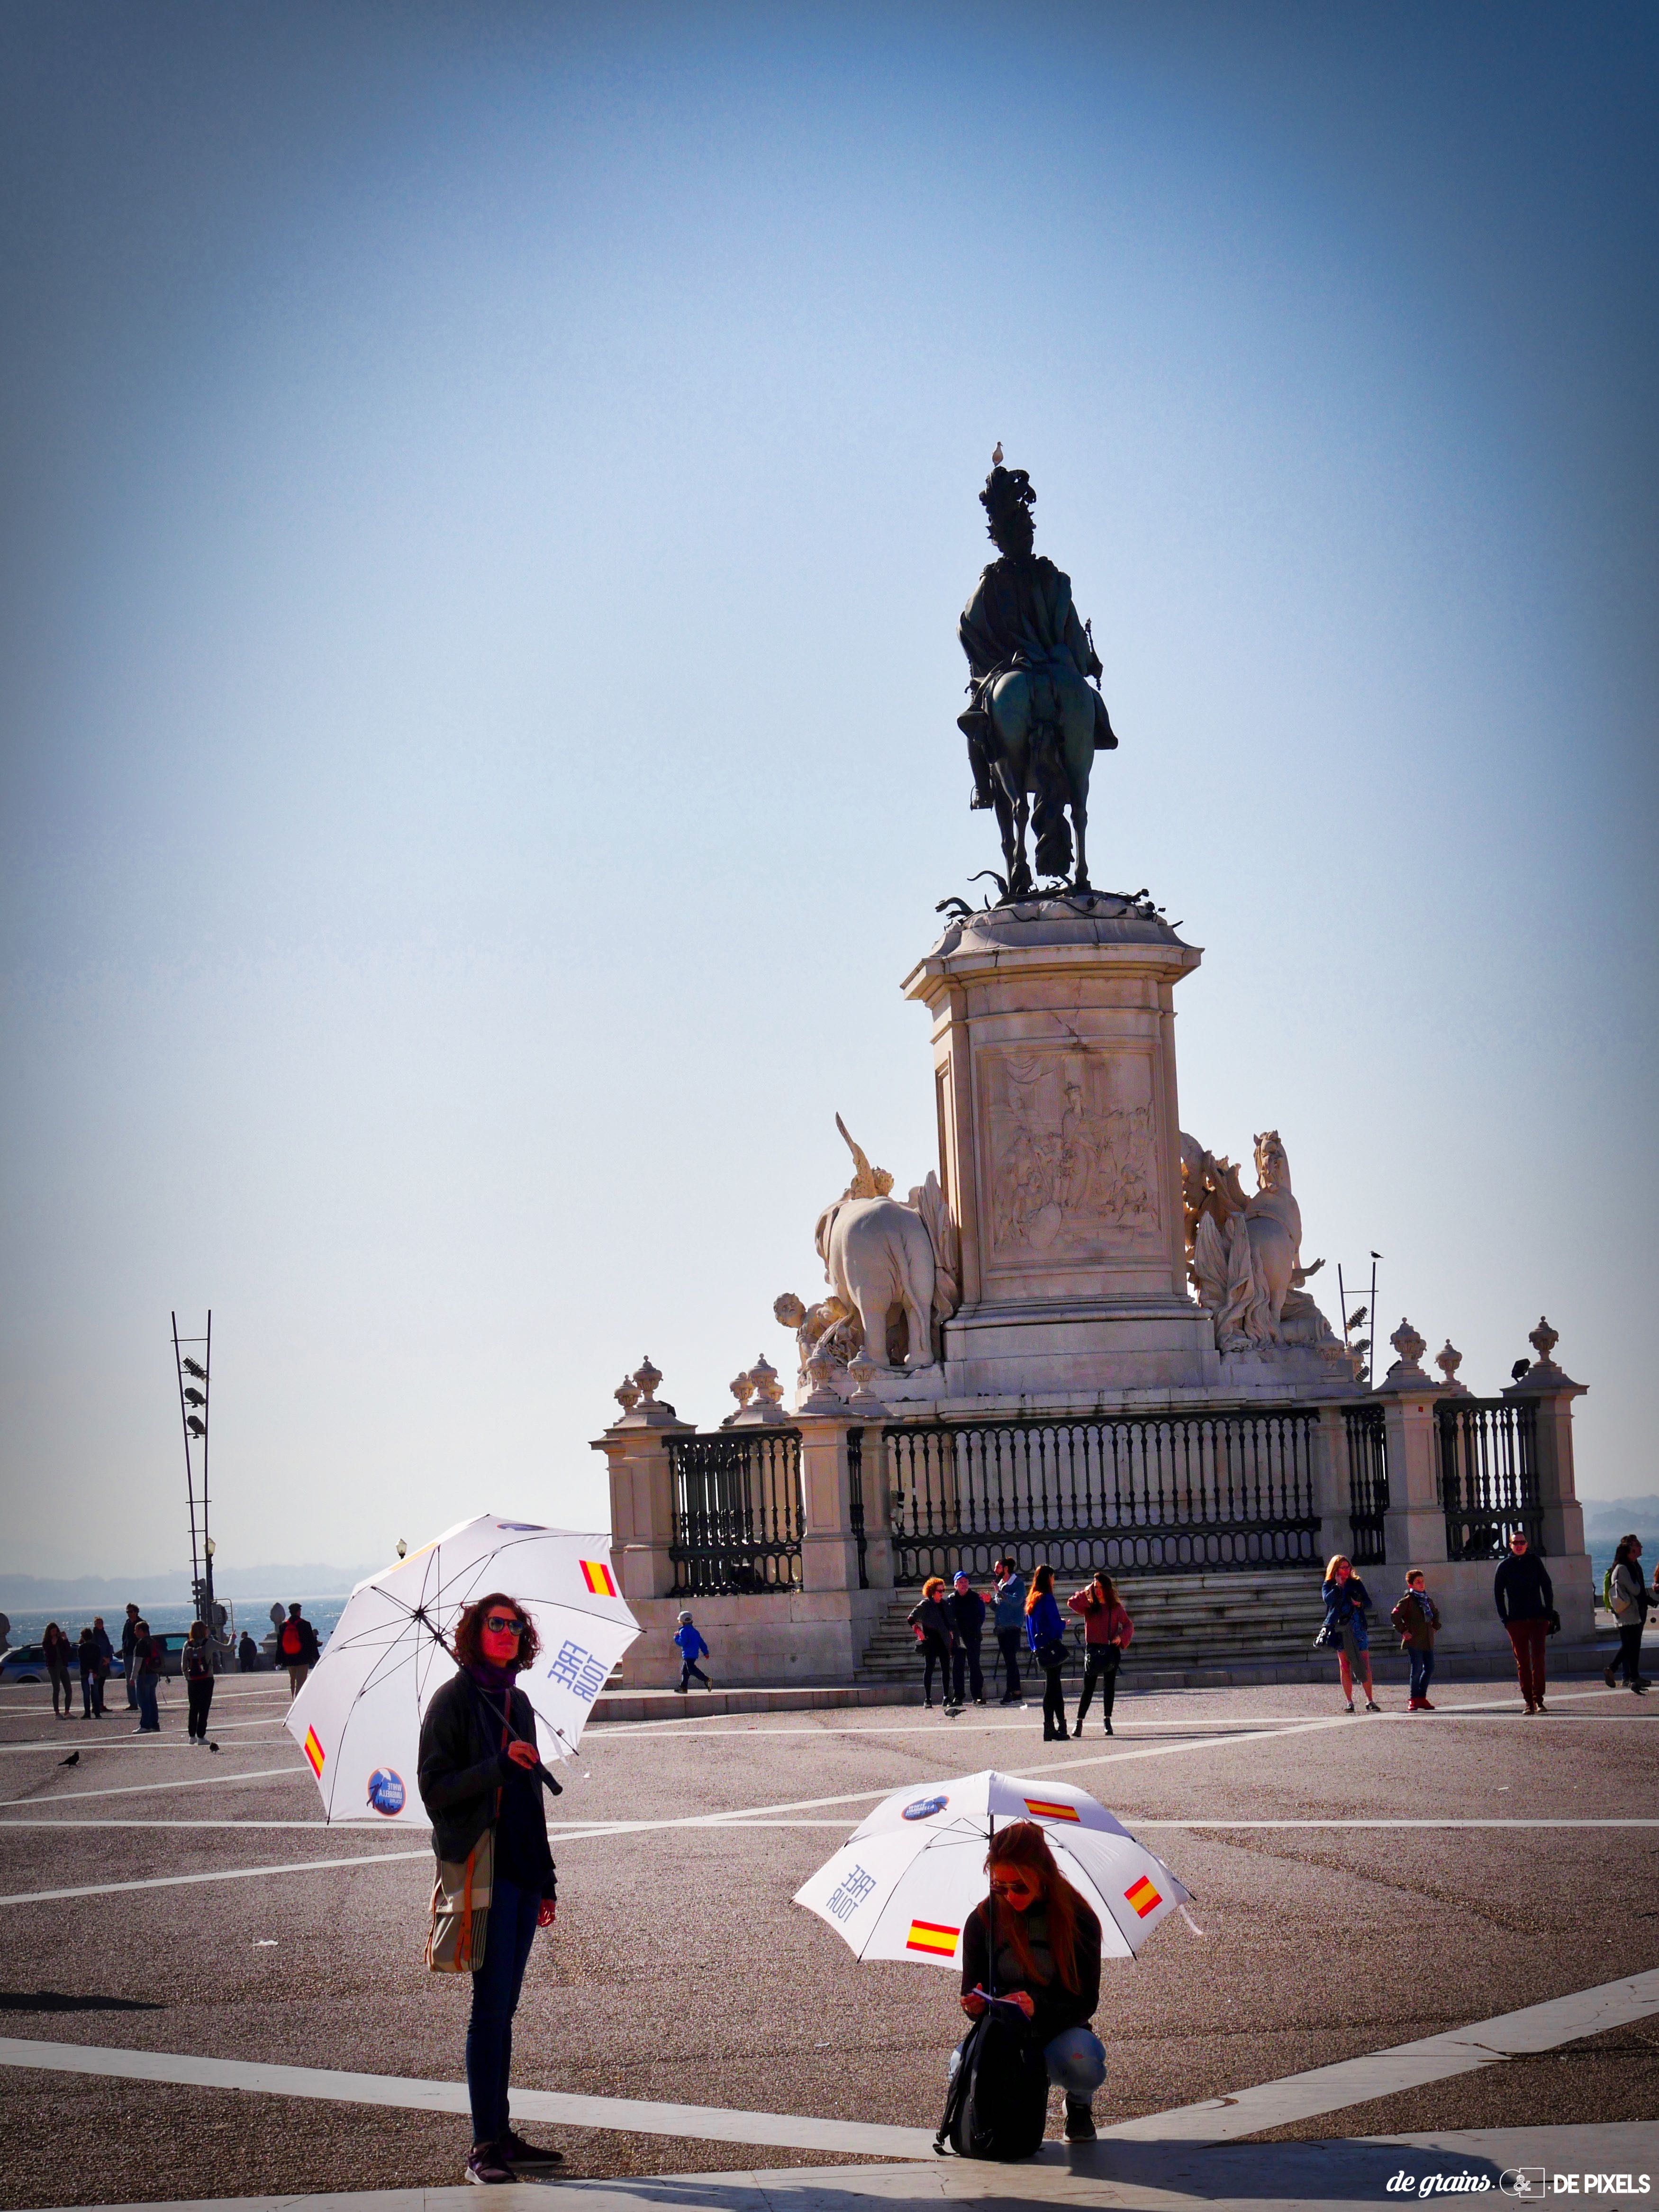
(149,1721)
(1422,1669)
(496,1989)
(1076,2060)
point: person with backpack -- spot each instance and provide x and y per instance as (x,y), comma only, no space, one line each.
(1525,1600)
(197,1667)
(1628,1599)
(296,1649)
(934,1634)
(145,1676)
(478,1772)
(967,1609)
(1047,1964)
(1008,1619)
(1045,1635)
(55,1650)
(1417,1617)
(1107,1629)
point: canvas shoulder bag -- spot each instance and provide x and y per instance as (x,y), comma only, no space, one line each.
(460,1901)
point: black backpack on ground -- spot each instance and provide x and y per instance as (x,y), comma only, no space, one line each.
(997,2106)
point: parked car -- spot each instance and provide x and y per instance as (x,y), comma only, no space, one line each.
(24,1663)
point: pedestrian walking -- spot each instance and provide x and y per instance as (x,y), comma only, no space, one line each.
(966,1610)
(692,1648)
(146,1665)
(197,1666)
(1045,1635)
(1418,1618)
(1047,1962)
(86,1654)
(1008,1618)
(1107,1629)
(106,1652)
(129,1637)
(296,1649)
(247,1655)
(57,1650)
(1526,1604)
(478,1773)
(934,1635)
(1347,1601)
(1630,1598)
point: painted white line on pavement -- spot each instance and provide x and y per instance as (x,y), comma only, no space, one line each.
(294,1773)
(1406,2066)
(102,1747)
(220,1873)
(633,2116)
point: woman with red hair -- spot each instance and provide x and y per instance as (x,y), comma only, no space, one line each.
(1048,1962)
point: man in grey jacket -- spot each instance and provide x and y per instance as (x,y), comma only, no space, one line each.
(1008,1613)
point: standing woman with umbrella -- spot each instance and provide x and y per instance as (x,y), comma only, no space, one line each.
(1045,1631)
(479,1770)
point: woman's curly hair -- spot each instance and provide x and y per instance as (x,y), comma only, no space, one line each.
(469,1629)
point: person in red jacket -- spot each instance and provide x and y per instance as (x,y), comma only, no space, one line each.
(1107,1629)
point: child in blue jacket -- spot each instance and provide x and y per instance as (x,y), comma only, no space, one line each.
(692,1648)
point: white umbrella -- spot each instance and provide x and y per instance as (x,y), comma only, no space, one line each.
(903,1885)
(358,1717)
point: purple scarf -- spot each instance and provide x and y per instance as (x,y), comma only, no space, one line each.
(501,1679)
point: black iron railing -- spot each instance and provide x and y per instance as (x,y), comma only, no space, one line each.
(1368,1483)
(1488,1474)
(1134,1493)
(737,1515)
(855,1500)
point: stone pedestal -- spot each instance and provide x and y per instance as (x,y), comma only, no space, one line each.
(1054,1071)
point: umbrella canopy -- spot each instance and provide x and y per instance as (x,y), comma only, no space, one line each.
(358,1716)
(903,1885)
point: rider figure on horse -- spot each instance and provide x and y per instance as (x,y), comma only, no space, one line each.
(1035,734)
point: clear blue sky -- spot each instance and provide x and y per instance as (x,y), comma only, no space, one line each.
(487,494)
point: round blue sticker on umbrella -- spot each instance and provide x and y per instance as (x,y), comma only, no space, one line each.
(386,1793)
(925,1807)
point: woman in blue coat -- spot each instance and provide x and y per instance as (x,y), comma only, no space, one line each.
(1045,1631)
(1347,1601)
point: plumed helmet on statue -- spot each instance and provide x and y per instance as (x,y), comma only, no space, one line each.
(1008,500)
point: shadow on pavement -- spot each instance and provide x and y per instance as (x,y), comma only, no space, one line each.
(55,2000)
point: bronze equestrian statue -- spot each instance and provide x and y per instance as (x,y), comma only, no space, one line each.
(1034,722)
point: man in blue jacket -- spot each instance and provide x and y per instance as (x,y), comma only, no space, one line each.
(1009,1615)
(1526,1606)
(966,1610)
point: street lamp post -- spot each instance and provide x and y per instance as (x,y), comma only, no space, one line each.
(195,1395)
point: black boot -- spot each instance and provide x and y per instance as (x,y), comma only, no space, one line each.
(1079,2121)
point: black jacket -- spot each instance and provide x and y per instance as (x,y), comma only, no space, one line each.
(463,1768)
(934,1621)
(308,1654)
(1057,2007)
(966,1610)
(1522,1589)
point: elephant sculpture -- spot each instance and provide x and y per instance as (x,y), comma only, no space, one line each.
(878,1256)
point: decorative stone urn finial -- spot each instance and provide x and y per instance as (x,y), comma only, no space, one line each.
(1543,1341)
(864,1399)
(647,1377)
(765,1378)
(627,1394)
(822,1397)
(1408,1345)
(1449,1359)
(742,1388)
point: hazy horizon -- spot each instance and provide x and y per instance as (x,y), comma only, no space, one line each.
(487,498)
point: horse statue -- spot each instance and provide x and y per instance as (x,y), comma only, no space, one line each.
(1034,720)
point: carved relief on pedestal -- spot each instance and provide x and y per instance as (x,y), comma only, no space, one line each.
(1072,1141)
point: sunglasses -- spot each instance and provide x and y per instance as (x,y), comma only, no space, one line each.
(499,1624)
(1015,1886)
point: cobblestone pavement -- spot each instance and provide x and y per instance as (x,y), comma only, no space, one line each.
(679,1970)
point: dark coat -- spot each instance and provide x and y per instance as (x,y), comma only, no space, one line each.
(934,1622)
(462,1769)
(966,1611)
(1416,1617)
(1521,1588)
(1057,2007)
(308,1654)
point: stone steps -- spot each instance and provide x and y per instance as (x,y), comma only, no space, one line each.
(1182,1622)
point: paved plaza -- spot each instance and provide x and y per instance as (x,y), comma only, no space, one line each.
(208,1995)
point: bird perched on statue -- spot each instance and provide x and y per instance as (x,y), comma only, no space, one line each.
(996,455)
(200,1373)
(1521,1367)
(74,1759)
